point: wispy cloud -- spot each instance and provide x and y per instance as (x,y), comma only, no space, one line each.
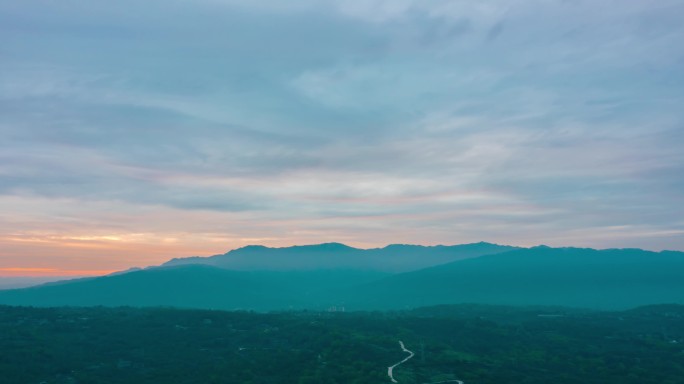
(367,121)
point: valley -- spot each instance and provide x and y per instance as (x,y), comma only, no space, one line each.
(442,344)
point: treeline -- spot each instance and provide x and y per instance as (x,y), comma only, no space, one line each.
(476,344)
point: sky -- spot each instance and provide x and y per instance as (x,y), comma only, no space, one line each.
(133,132)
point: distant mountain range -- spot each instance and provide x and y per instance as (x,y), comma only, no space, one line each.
(392,258)
(577,277)
(12,282)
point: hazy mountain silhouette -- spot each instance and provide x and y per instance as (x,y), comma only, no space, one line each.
(608,279)
(195,286)
(578,277)
(392,258)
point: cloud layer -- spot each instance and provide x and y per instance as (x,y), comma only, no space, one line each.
(132,132)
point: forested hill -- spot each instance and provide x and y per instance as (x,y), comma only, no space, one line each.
(578,277)
(475,344)
(199,286)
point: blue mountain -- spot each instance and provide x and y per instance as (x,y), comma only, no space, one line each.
(575,277)
(392,258)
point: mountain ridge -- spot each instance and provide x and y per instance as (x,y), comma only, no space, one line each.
(391,258)
(578,277)
(574,277)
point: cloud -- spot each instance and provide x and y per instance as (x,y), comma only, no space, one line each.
(370,121)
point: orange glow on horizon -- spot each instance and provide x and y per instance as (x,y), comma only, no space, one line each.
(40,272)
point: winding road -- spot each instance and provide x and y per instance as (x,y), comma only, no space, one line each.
(391,369)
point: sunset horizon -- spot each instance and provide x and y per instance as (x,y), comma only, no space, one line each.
(136,133)
(341,191)
(165,255)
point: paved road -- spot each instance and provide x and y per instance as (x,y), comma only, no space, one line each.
(390,370)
